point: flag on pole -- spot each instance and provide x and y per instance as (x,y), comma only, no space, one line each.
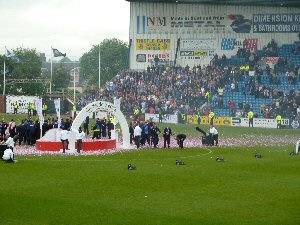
(11,55)
(57,53)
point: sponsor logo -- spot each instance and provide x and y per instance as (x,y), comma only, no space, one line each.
(295,124)
(156,21)
(141,57)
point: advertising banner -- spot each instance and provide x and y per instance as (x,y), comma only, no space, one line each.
(258,122)
(271,61)
(229,44)
(22,102)
(192,119)
(194,24)
(153,44)
(223,121)
(218,121)
(197,54)
(198,44)
(251,44)
(167,118)
(162,57)
(276,23)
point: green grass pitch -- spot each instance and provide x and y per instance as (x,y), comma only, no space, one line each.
(59,190)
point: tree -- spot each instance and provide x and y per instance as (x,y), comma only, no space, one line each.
(60,77)
(114,58)
(28,66)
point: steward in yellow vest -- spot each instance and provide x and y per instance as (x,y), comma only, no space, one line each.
(207,96)
(44,108)
(250,117)
(211,117)
(16,106)
(279,119)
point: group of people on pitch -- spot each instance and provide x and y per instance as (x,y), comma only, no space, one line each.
(148,132)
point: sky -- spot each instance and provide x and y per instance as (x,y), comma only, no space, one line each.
(71,26)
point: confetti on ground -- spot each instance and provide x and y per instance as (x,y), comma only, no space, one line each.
(244,140)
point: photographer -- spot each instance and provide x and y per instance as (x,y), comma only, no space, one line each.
(180,139)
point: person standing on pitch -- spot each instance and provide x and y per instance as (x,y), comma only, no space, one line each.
(278,119)
(167,136)
(64,136)
(79,136)
(214,134)
(154,135)
(131,132)
(250,117)
(86,125)
(137,134)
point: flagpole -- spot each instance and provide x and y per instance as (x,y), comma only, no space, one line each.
(74,88)
(51,69)
(41,125)
(99,68)
(4,78)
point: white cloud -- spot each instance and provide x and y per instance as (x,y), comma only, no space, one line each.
(72,26)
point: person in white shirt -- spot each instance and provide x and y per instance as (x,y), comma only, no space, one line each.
(10,142)
(297,146)
(214,134)
(64,136)
(137,134)
(8,155)
(79,136)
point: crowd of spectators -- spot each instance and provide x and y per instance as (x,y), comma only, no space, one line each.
(27,131)
(167,90)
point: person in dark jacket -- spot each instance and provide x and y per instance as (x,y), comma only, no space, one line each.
(131,132)
(31,132)
(110,127)
(154,135)
(167,136)
(86,125)
(3,127)
(103,127)
(20,132)
(97,130)
(180,139)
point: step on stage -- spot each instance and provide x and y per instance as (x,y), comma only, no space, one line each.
(87,145)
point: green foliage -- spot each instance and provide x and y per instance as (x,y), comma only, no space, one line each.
(27,67)
(60,77)
(113,56)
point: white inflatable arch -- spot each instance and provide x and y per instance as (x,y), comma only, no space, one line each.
(98,107)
